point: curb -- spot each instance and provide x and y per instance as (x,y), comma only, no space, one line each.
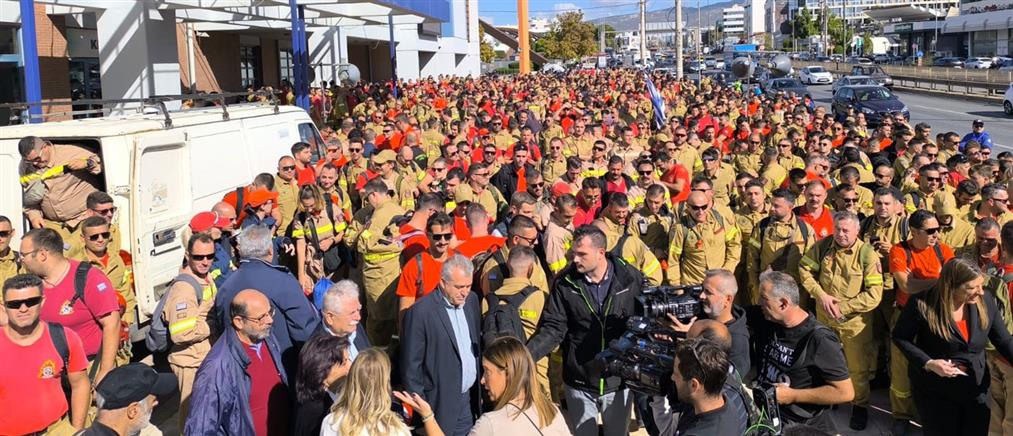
(960,96)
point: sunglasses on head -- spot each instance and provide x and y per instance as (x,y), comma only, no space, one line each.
(103,235)
(16,304)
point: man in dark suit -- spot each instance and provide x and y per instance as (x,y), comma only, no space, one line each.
(439,348)
(342,312)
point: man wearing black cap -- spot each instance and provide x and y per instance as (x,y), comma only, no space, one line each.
(126,399)
(978,134)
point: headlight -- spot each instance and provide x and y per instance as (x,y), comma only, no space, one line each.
(866,110)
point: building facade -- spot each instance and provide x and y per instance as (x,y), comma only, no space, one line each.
(733,21)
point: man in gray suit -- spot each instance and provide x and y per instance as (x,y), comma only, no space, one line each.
(439,348)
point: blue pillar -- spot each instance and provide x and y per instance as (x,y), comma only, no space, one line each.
(300,86)
(393,55)
(30,54)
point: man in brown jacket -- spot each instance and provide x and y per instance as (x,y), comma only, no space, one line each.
(57,179)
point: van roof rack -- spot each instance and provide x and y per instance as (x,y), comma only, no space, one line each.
(20,114)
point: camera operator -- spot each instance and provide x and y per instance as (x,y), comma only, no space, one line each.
(590,302)
(719,289)
(802,358)
(711,406)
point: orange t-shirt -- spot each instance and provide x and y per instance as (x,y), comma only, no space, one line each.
(480,244)
(924,264)
(408,284)
(823,226)
(415,241)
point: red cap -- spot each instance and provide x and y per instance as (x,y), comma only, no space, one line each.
(483,132)
(261,196)
(560,188)
(204,221)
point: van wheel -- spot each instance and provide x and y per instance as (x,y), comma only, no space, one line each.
(1007,107)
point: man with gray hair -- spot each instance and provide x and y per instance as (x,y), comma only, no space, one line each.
(341,314)
(296,318)
(800,357)
(844,275)
(440,348)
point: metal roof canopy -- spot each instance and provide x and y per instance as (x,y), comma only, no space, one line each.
(906,13)
(211,15)
(998,20)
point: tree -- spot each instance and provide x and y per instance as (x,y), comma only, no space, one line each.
(867,43)
(570,38)
(610,40)
(806,24)
(487,54)
(840,34)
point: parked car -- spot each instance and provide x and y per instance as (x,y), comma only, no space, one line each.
(859,60)
(787,85)
(874,71)
(1007,100)
(874,101)
(815,75)
(822,58)
(1000,61)
(696,66)
(882,58)
(853,81)
(553,68)
(709,62)
(978,63)
(948,62)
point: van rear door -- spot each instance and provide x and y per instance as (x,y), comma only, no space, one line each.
(160,208)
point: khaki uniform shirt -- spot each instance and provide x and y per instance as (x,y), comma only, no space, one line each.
(187,320)
(958,235)
(557,242)
(773,175)
(890,232)
(288,201)
(707,245)
(120,277)
(490,198)
(633,251)
(553,169)
(493,276)
(76,243)
(689,158)
(747,163)
(578,146)
(827,269)
(779,248)
(64,202)
(504,140)
(9,267)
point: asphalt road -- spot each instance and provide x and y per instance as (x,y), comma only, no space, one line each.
(945,113)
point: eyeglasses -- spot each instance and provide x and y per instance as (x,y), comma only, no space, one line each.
(288,168)
(931,231)
(493,152)
(103,235)
(6,233)
(645,172)
(332,150)
(106,211)
(481,174)
(934,179)
(756,142)
(387,131)
(537,185)
(698,208)
(784,145)
(16,304)
(260,319)
(849,200)
(202,257)
(439,168)
(531,241)
(681,135)
(709,159)
(441,236)
(1001,200)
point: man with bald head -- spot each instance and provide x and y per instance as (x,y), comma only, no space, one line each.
(701,240)
(287,187)
(241,382)
(226,259)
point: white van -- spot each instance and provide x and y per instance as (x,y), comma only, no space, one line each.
(163,169)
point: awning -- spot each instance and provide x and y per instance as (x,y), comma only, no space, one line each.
(904,13)
(998,20)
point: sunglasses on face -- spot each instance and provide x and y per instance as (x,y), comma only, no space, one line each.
(202,257)
(103,235)
(931,231)
(354,150)
(698,208)
(441,236)
(599,149)
(850,200)
(288,168)
(6,233)
(16,304)
(934,179)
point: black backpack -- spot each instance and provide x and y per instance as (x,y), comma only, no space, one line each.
(781,262)
(505,319)
(480,259)
(59,338)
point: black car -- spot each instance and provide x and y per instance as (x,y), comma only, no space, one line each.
(874,101)
(787,85)
(949,62)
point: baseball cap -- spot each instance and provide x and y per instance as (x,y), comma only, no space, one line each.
(945,205)
(131,383)
(261,196)
(204,221)
(978,123)
(561,188)
(384,156)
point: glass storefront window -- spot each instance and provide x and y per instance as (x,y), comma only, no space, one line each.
(984,43)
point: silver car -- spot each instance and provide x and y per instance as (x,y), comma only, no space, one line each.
(853,81)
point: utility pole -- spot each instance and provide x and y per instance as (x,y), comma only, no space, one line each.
(643,32)
(678,39)
(826,47)
(699,32)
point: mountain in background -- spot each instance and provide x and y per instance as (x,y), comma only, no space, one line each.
(709,15)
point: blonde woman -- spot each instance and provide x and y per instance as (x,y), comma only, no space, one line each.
(943,333)
(363,405)
(521,407)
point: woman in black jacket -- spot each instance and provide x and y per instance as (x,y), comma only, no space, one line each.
(323,362)
(944,334)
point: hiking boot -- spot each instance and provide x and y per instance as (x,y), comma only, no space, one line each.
(900,427)
(859,418)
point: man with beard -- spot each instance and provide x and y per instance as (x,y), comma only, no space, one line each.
(33,401)
(777,242)
(623,243)
(127,398)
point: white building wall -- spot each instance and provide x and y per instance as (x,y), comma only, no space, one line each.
(137,51)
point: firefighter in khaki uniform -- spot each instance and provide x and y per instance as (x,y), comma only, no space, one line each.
(553,166)
(100,204)
(357,164)
(845,277)
(558,236)
(380,245)
(10,260)
(633,250)
(702,240)
(652,222)
(524,233)
(777,242)
(522,265)
(95,237)
(478,190)
(187,318)
(287,187)
(57,179)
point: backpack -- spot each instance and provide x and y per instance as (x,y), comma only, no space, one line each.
(157,338)
(418,278)
(80,281)
(617,251)
(482,258)
(59,338)
(783,259)
(905,228)
(910,257)
(505,319)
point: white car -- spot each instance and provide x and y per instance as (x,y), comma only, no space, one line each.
(815,75)
(1007,100)
(978,63)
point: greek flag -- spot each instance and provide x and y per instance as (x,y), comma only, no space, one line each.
(657,101)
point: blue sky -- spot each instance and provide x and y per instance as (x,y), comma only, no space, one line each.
(503,12)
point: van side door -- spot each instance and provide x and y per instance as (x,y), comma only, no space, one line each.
(160,209)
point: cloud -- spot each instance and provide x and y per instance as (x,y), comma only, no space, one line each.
(565,7)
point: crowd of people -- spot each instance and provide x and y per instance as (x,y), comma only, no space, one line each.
(454,254)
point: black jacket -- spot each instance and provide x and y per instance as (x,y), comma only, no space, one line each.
(919,344)
(739,330)
(569,320)
(431,361)
(506,179)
